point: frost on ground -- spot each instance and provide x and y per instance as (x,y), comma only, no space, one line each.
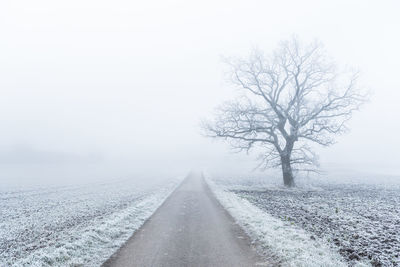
(282,241)
(359,221)
(74,225)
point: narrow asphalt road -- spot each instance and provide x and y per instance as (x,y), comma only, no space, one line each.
(190,229)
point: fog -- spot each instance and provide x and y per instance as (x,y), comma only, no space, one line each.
(97,90)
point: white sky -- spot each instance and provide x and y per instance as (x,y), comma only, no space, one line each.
(117,88)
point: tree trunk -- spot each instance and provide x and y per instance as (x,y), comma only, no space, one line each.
(287,172)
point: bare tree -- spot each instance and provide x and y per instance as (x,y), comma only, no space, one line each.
(291,98)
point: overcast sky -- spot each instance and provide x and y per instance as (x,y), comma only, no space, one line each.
(117,88)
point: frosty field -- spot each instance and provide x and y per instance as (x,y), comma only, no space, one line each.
(358,221)
(80,225)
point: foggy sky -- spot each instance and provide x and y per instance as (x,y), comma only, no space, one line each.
(118,88)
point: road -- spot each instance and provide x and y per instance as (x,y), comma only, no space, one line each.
(190,229)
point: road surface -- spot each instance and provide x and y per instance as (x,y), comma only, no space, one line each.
(190,229)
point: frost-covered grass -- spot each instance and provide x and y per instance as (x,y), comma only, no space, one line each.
(363,222)
(81,225)
(282,241)
(359,218)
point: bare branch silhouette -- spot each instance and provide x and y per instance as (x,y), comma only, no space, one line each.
(291,98)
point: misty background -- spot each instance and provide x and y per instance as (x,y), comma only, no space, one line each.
(96,90)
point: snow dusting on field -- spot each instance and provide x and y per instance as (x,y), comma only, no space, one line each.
(283,242)
(318,223)
(81,225)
